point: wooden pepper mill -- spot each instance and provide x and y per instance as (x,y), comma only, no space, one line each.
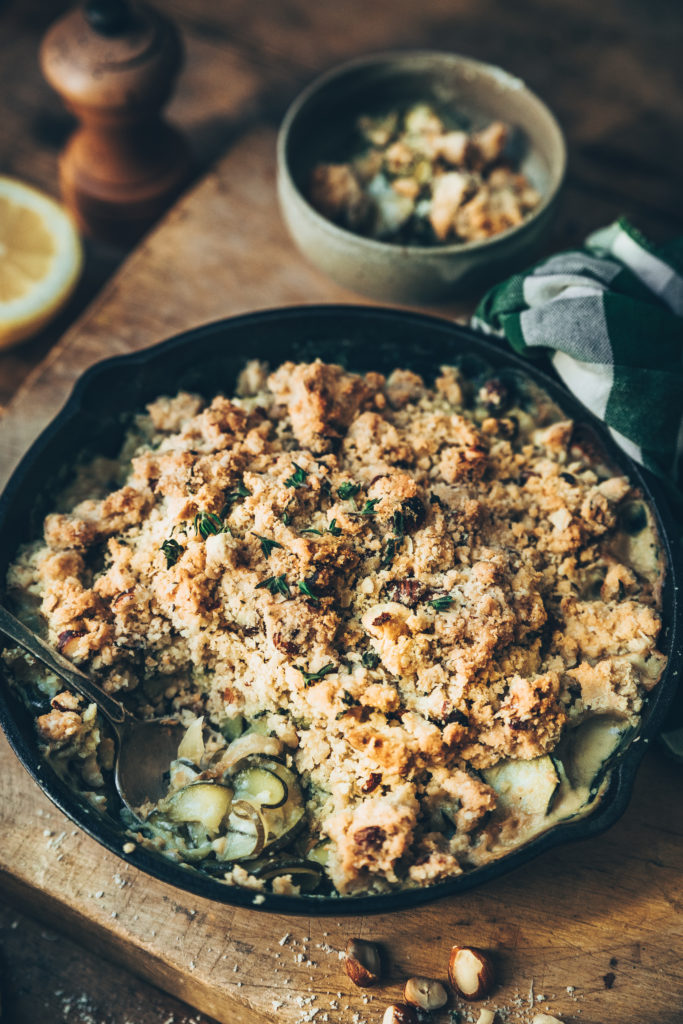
(114,64)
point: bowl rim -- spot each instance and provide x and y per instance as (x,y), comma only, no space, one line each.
(495,73)
(617,795)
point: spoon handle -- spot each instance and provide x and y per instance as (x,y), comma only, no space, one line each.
(32,643)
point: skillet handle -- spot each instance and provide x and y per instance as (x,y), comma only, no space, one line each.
(31,642)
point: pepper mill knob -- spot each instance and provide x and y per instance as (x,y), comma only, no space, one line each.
(114,64)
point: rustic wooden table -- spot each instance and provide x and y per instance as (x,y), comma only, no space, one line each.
(610,71)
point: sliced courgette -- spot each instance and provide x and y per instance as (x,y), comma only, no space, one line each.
(232,728)
(262,786)
(204,802)
(591,749)
(320,853)
(245,836)
(303,873)
(182,773)
(525,787)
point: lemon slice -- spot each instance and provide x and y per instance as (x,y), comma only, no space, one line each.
(40,260)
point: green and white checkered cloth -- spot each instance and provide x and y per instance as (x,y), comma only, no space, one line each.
(611,314)
(610,318)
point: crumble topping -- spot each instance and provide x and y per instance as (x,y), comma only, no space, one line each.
(406,585)
(414,181)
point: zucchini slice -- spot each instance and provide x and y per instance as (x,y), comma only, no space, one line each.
(303,872)
(262,786)
(232,728)
(245,836)
(525,787)
(204,802)
(320,853)
(592,748)
(284,822)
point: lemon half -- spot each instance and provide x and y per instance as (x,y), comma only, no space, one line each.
(40,259)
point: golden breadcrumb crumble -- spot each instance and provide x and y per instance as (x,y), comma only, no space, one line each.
(436,605)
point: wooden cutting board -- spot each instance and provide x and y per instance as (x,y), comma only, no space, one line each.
(592,931)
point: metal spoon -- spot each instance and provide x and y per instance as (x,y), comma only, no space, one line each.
(144,749)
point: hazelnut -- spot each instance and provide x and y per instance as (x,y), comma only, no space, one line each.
(362,963)
(67,642)
(486,1017)
(425,993)
(470,972)
(399,1013)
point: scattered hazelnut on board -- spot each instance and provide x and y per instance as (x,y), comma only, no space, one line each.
(486,1017)
(362,963)
(425,993)
(399,1013)
(470,972)
(545,1018)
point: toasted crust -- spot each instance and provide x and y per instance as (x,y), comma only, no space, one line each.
(439,557)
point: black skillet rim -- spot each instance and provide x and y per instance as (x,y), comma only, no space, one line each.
(614,801)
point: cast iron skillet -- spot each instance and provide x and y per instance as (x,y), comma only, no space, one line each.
(207,360)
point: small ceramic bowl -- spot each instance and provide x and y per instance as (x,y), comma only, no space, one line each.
(320,123)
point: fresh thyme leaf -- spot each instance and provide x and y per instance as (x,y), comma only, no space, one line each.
(276,585)
(326,487)
(232,496)
(313,677)
(347,699)
(206,523)
(388,553)
(370,659)
(399,525)
(311,530)
(368,508)
(440,604)
(347,490)
(172,549)
(267,544)
(333,528)
(304,587)
(298,477)
(340,714)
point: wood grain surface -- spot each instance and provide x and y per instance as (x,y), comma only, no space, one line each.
(595,926)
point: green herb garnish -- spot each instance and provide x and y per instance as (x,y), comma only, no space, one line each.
(304,587)
(298,477)
(440,604)
(276,585)
(314,677)
(368,508)
(388,553)
(311,530)
(333,528)
(207,523)
(232,496)
(267,544)
(172,549)
(370,659)
(399,525)
(348,490)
